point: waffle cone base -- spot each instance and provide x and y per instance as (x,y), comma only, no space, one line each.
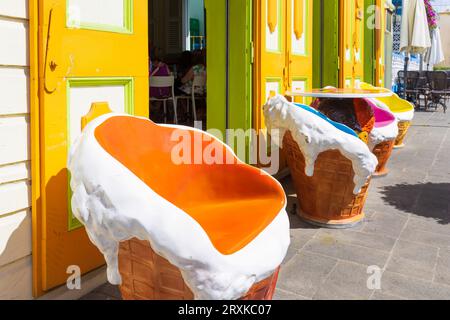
(148,276)
(383,152)
(403,127)
(326,198)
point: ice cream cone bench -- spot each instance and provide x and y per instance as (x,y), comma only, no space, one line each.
(401,108)
(382,137)
(171,230)
(331,163)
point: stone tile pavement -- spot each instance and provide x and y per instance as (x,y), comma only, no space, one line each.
(406,233)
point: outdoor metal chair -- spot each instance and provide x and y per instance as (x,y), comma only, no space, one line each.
(448,86)
(422,88)
(410,89)
(438,89)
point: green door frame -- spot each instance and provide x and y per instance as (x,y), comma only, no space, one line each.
(388,45)
(238,113)
(369,44)
(326,43)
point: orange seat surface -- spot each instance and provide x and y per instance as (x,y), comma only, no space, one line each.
(232,202)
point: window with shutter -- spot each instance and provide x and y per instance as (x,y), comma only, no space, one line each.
(174,26)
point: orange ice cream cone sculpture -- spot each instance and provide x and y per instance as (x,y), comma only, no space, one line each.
(326,198)
(383,152)
(173,224)
(403,128)
(382,137)
(330,165)
(148,276)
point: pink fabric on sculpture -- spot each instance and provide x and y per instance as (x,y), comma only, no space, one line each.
(383,117)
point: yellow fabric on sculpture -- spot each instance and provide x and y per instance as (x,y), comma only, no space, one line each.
(394,102)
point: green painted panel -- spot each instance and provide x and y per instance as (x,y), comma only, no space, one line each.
(216,64)
(369,43)
(317,44)
(326,43)
(240,64)
(240,115)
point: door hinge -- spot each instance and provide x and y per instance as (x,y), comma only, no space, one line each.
(339,63)
(252,52)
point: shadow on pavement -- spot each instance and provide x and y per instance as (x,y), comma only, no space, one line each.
(430,200)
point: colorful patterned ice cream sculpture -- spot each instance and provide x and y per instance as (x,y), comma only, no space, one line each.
(315,135)
(383,136)
(402,109)
(330,165)
(223,226)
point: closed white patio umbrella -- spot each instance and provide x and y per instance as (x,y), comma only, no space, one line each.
(435,54)
(414,33)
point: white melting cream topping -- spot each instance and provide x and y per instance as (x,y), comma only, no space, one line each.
(315,135)
(115,205)
(383,134)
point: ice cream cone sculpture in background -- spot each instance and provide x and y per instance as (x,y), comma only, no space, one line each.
(403,128)
(330,166)
(401,108)
(382,137)
(171,229)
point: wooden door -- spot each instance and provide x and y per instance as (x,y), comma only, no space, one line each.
(283,53)
(345,44)
(284,37)
(89,52)
(299,46)
(380,43)
(351,34)
(270,68)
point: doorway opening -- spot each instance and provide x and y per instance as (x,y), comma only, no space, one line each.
(177,46)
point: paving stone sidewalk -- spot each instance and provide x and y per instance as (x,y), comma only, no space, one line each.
(406,233)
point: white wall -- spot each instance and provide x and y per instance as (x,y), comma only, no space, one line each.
(15,188)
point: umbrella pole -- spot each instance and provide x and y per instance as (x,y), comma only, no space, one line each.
(421,63)
(406,74)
